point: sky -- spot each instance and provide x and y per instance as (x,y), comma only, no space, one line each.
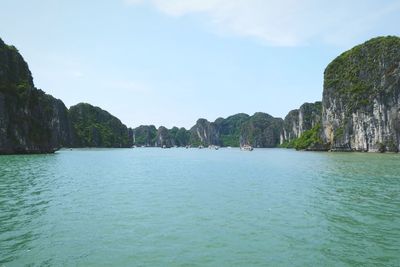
(170,62)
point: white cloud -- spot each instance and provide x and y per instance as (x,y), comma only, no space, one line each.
(283,22)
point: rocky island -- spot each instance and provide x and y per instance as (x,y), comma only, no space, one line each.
(359,111)
(32,121)
(360,104)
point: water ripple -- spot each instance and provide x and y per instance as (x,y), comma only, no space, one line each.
(178,207)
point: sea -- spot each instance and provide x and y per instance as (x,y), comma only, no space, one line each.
(199,207)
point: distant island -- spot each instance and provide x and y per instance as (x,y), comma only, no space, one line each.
(359,111)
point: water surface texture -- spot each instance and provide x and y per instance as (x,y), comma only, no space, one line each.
(191,207)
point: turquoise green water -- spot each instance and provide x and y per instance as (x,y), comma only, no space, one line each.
(178,207)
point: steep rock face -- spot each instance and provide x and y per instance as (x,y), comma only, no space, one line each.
(300,120)
(230,129)
(361,97)
(309,116)
(205,133)
(261,130)
(145,135)
(30,120)
(130,136)
(164,138)
(290,126)
(180,136)
(94,127)
(150,136)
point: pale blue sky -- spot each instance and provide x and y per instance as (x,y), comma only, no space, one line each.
(170,62)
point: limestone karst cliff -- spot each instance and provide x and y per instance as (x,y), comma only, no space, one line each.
(205,133)
(359,112)
(30,120)
(301,123)
(94,127)
(261,130)
(164,138)
(150,136)
(230,129)
(145,135)
(300,120)
(360,105)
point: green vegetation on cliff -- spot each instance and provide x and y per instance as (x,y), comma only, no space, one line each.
(180,136)
(356,74)
(261,130)
(30,120)
(94,127)
(149,136)
(310,139)
(145,135)
(361,97)
(359,112)
(230,129)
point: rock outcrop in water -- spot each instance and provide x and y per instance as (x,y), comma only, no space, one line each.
(230,129)
(145,135)
(34,122)
(164,138)
(205,133)
(94,127)
(261,130)
(150,136)
(359,112)
(30,120)
(302,128)
(180,136)
(300,120)
(360,106)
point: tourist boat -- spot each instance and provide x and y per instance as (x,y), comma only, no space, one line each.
(246,148)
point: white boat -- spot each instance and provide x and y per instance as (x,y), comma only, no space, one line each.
(246,148)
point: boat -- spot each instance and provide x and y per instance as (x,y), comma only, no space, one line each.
(246,148)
